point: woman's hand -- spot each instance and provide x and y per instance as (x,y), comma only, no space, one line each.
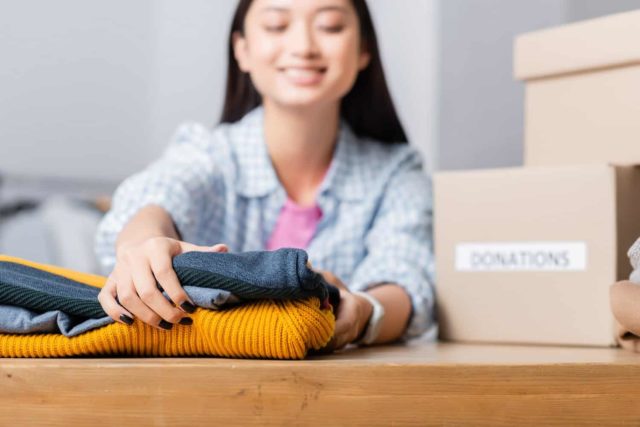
(352,316)
(133,282)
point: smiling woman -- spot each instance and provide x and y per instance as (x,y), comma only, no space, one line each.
(301,55)
(309,154)
(314,24)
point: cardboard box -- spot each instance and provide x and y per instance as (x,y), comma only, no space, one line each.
(527,255)
(582,91)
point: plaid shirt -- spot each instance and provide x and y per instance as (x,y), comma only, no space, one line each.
(220,187)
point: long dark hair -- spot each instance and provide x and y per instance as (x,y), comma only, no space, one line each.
(367,108)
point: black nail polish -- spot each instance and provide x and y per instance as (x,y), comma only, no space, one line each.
(126,319)
(186,321)
(165,325)
(188,307)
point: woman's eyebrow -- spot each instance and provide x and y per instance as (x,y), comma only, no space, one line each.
(274,9)
(320,9)
(332,8)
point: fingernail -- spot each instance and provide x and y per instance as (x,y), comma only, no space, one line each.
(126,319)
(186,321)
(165,325)
(188,307)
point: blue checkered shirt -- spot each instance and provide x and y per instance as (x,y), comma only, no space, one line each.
(220,187)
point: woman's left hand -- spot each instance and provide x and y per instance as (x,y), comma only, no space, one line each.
(352,316)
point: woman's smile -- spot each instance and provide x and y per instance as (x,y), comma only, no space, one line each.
(303,75)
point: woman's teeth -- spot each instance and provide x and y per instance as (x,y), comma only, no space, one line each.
(304,75)
(303,72)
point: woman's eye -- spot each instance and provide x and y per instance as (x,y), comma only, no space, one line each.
(331,28)
(275,28)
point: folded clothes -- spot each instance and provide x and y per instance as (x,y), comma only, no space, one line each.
(286,309)
(20,320)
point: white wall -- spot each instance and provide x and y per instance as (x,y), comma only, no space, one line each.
(408,34)
(578,10)
(480,104)
(190,65)
(75,87)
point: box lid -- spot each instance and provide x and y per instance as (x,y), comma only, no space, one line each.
(610,41)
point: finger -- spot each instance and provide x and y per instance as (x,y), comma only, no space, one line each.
(332,344)
(340,334)
(107,299)
(129,299)
(333,279)
(147,289)
(166,276)
(184,247)
(342,337)
(342,323)
(346,320)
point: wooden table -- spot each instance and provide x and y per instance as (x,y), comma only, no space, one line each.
(420,383)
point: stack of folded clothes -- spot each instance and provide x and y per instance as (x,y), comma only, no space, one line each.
(265,304)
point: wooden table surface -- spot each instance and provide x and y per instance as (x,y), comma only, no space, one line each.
(420,383)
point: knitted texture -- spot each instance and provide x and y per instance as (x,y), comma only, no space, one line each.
(268,328)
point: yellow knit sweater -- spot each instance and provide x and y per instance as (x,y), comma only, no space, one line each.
(261,329)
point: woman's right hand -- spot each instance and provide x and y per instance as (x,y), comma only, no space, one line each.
(133,283)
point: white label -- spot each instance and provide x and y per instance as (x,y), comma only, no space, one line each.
(521,256)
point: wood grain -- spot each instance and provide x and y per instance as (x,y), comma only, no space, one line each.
(420,383)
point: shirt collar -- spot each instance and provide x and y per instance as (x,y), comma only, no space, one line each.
(346,177)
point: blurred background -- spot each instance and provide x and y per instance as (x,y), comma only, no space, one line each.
(91,92)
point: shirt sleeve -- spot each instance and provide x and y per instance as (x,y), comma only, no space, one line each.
(180,182)
(399,244)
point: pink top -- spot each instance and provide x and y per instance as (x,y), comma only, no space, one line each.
(295,226)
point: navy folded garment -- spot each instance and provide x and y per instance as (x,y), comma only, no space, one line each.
(210,278)
(280,274)
(20,320)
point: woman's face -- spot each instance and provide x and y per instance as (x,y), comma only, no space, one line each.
(301,52)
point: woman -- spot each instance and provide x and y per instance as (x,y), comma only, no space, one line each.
(309,154)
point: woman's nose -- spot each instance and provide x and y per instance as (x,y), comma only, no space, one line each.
(302,41)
